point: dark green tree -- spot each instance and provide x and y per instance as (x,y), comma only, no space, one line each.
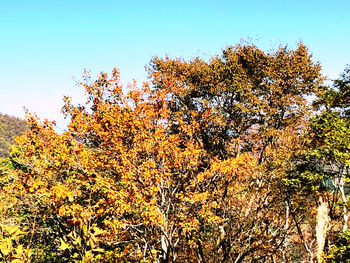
(322,171)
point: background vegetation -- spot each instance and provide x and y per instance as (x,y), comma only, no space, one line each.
(10,127)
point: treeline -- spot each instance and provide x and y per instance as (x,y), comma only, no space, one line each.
(221,161)
(10,127)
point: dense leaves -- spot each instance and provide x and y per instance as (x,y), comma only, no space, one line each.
(245,91)
(215,161)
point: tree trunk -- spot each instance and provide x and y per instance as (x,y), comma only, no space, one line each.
(165,248)
(322,224)
(345,210)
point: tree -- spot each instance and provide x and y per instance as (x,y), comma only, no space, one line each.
(118,184)
(322,170)
(193,167)
(249,101)
(248,94)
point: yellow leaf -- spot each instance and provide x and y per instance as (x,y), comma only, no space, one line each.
(64,245)
(6,246)
(19,250)
(77,241)
(98,231)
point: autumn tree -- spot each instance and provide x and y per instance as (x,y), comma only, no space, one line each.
(119,184)
(248,101)
(245,91)
(197,166)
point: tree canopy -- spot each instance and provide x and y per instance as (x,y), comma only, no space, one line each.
(219,161)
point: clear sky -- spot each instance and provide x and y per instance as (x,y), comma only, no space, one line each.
(44,44)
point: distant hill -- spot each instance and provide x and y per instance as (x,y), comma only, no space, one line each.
(10,127)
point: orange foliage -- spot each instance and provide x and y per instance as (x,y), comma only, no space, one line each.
(121,169)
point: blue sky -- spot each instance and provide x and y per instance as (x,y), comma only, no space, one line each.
(44,44)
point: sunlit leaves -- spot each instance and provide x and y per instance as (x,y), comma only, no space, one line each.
(187,168)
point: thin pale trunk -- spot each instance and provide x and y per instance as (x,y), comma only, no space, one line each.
(322,223)
(286,227)
(165,248)
(345,210)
